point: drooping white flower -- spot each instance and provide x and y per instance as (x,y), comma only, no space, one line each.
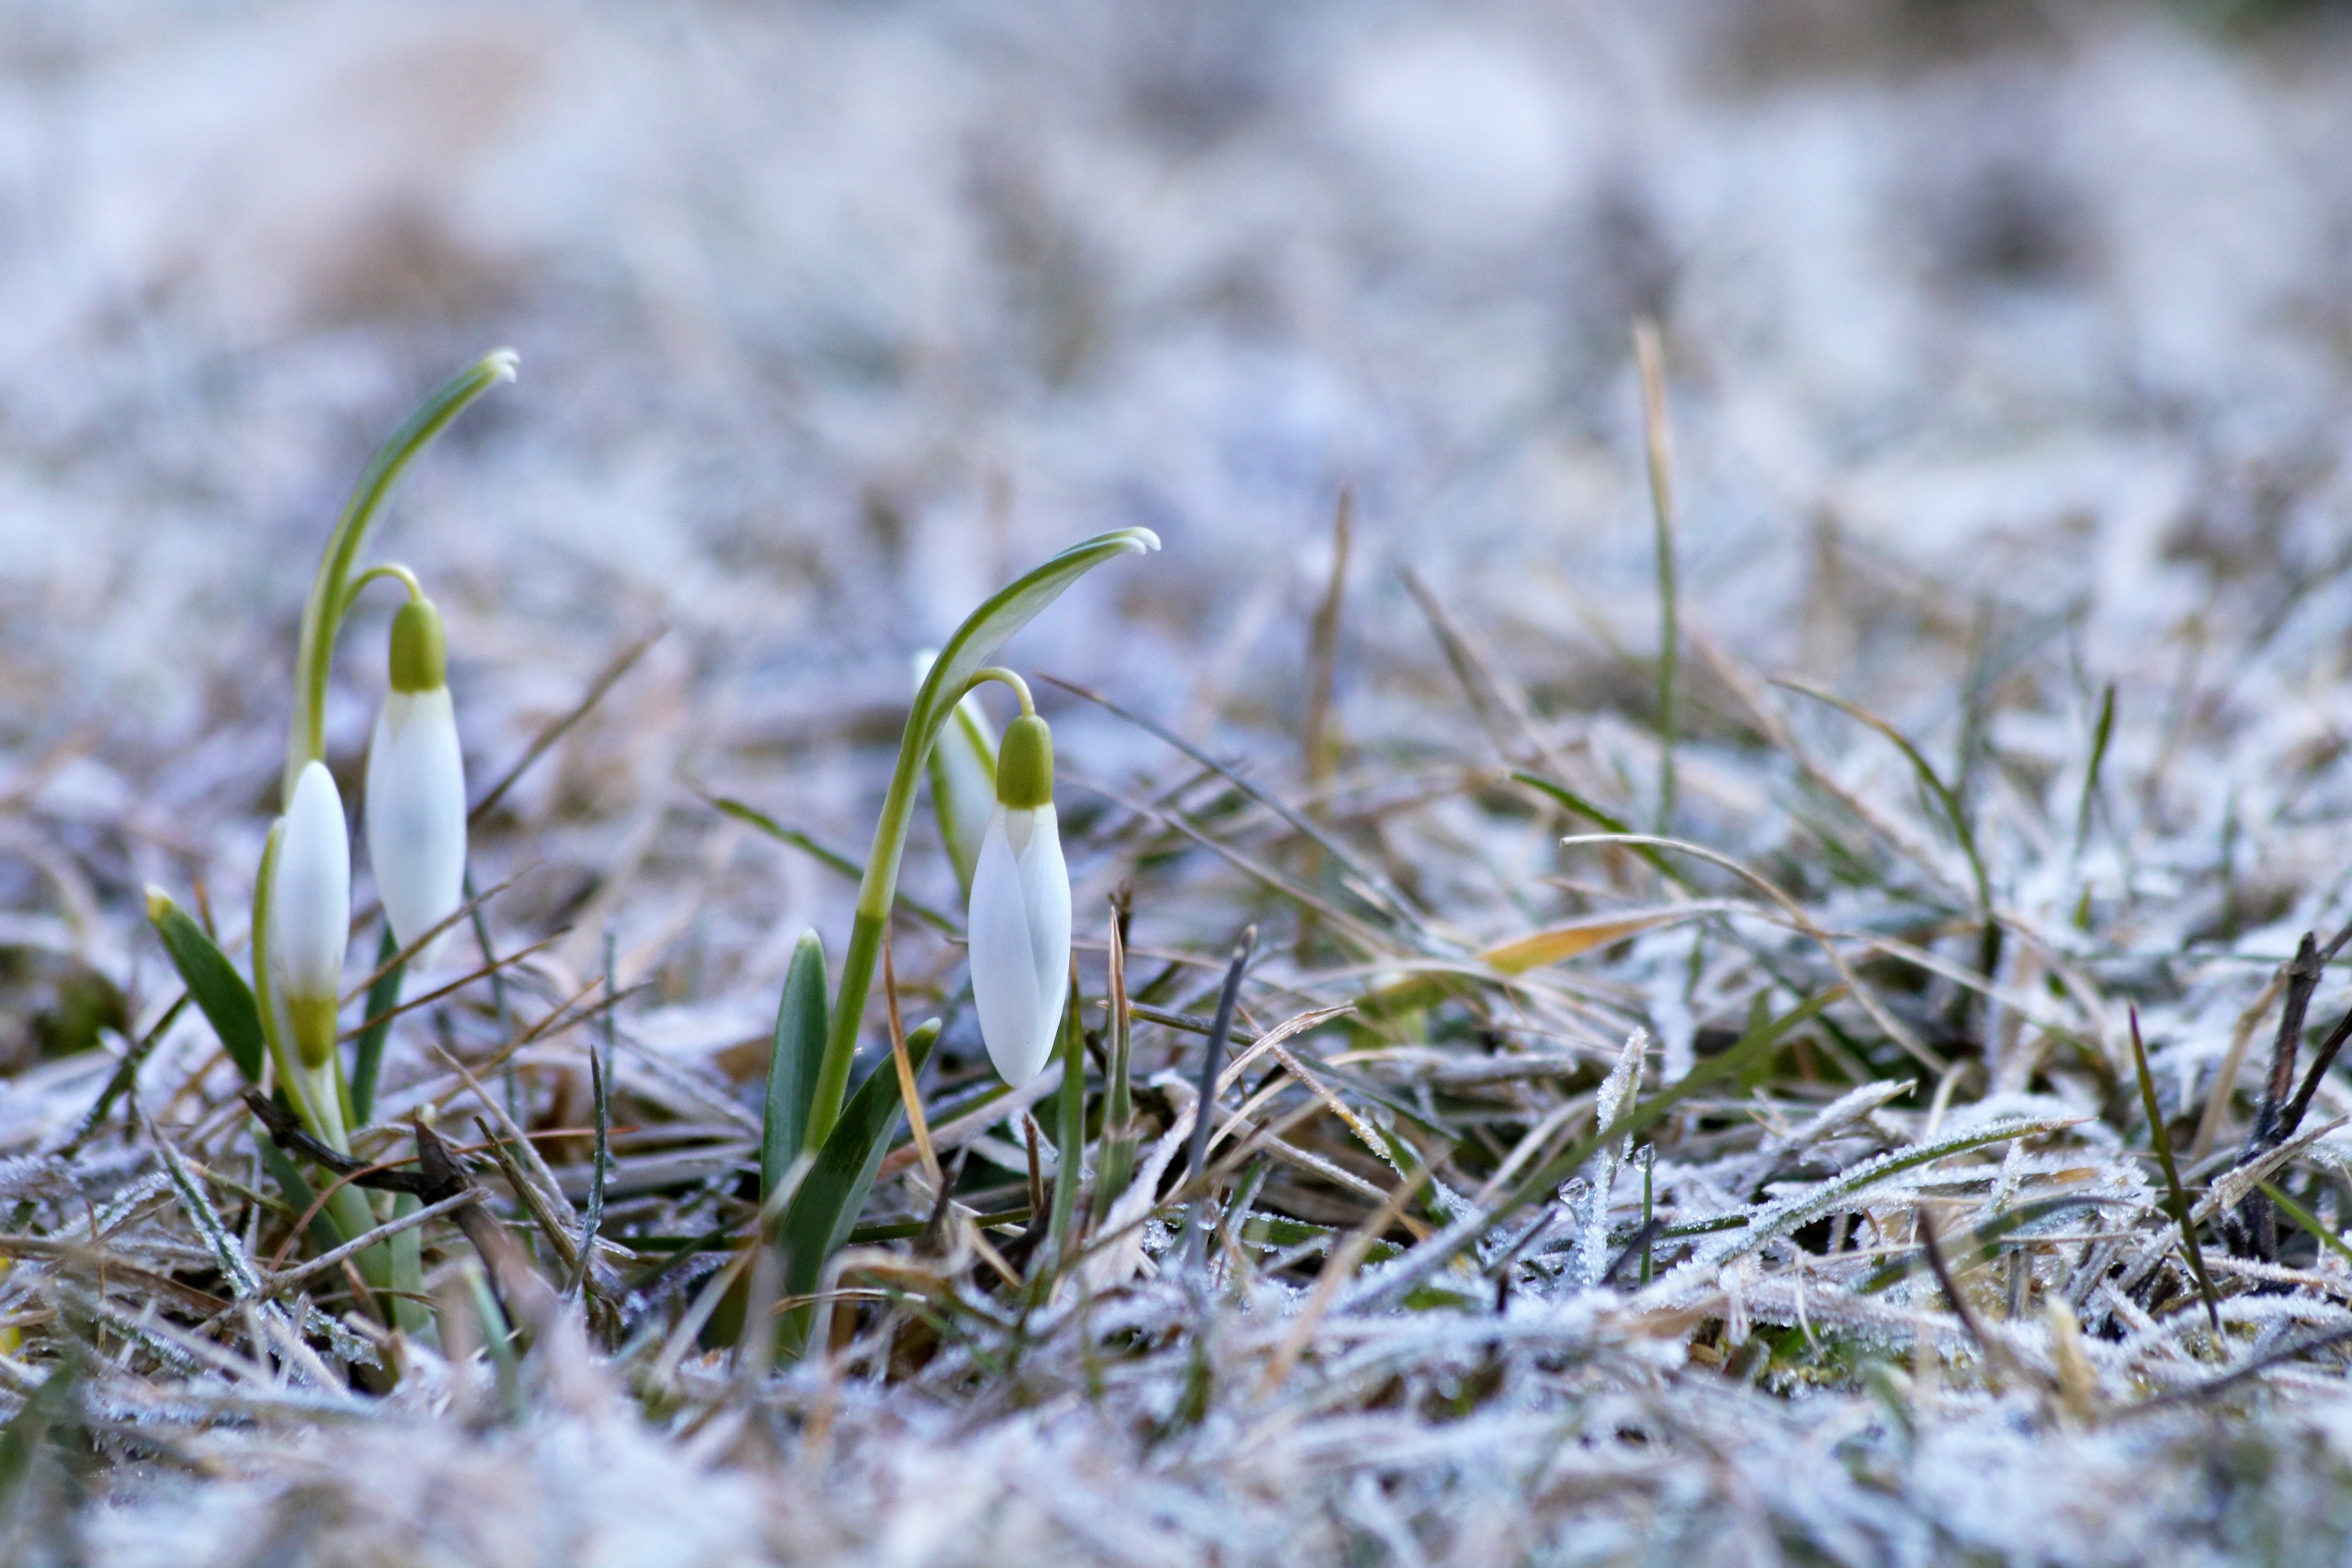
(416,786)
(1019,921)
(310,911)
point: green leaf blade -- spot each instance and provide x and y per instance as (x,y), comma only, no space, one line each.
(991,626)
(801,1020)
(825,1209)
(367,1056)
(220,992)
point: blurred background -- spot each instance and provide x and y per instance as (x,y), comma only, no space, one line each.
(1981,316)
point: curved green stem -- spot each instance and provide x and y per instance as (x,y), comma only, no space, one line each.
(394,569)
(331,591)
(998,673)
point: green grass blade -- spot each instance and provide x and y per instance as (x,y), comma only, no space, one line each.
(2309,1221)
(1658,447)
(963,771)
(801,1020)
(300,1194)
(221,993)
(2099,738)
(1955,812)
(1118,1156)
(2177,1202)
(1560,794)
(49,1410)
(367,1055)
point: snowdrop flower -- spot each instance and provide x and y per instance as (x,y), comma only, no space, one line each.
(310,913)
(1019,925)
(417,785)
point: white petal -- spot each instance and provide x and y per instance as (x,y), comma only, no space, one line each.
(417,814)
(1046,897)
(1005,991)
(311,896)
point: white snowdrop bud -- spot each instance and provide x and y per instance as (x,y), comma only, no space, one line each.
(310,911)
(416,786)
(1019,924)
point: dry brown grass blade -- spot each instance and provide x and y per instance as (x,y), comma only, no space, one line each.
(607,679)
(413,1003)
(917,1125)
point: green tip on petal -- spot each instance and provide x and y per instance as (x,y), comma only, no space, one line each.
(313,1018)
(420,660)
(1024,764)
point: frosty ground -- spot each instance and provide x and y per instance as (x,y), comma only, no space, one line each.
(2008,349)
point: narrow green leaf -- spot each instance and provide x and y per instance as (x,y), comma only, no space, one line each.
(792,1068)
(2178,1205)
(367,1057)
(2309,1221)
(825,1209)
(1562,795)
(1955,813)
(600,1086)
(300,1196)
(2104,733)
(220,990)
(991,626)
(411,1311)
(1118,1155)
(962,772)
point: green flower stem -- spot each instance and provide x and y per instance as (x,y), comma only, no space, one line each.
(1006,676)
(875,892)
(392,569)
(331,591)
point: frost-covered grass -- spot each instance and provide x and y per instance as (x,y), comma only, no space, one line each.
(2005,351)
